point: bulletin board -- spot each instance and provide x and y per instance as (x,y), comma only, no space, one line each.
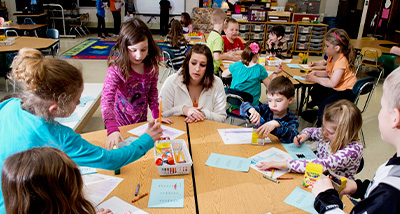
(153,7)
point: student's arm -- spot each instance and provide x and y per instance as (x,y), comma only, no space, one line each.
(111,83)
(218,112)
(317,63)
(395,50)
(152,97)
(287,129)
(225,56)
(327,82)
(226,73)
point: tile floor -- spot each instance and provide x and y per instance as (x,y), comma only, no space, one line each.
(376,152)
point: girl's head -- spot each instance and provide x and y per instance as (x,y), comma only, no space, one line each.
(134,45)
(198,66)
(43,180)
(338,42)
(185,19)
(51,87)
(176,33)
(250,53)
(341,122)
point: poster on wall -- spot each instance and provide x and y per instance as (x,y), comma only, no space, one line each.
(217,3)
(207,3)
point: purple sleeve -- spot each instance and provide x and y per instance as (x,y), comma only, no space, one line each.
(153,94)
(111,83)
(314,134)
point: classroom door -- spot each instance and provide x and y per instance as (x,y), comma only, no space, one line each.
(349,16)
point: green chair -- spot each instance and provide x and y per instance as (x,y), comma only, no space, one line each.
(388,61)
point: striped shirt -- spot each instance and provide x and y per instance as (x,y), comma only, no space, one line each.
(179,52)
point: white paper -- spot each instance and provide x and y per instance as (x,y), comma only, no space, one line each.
(238,136)
(98,186)
(305,66)
(118,206)
(87,170)
(286,61)
(167,131)
(272,154)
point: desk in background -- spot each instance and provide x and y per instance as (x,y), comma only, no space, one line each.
(37,18)
(360,43)
(24,27)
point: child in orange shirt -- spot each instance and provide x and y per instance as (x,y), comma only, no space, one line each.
(337,81)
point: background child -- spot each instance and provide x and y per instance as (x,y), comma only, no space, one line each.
(339,149)
(276,44)
(338,80)
(52,88)
(231,40)
(274,118)
(247,74)
(382,194)
(186,23)
(176,43)
(116,13)
(101,14)
(131,82)
(43,180)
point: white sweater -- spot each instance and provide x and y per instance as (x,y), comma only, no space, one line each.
(175,95)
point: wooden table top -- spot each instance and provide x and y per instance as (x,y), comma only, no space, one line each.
(28,42)
(29,15)
(226,191)
(143,171)
(23,27)
(360,43)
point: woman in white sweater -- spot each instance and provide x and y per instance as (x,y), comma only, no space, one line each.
(195,91)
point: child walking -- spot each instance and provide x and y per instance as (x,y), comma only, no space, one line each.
(176,43)
(337,81)
(44,180)
(52,88)
(339,149)
(101,24)
(247,74)
(130,86)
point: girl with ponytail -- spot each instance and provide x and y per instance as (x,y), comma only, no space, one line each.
(339,149)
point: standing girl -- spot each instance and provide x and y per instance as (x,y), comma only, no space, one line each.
(186,23)
(44,180)
(176,43)
(247,74)
(101,14)
(337,81)
(130,86)
(339,149)
(52,88)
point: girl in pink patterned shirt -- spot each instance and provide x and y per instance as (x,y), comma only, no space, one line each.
(339,149)
(130,86)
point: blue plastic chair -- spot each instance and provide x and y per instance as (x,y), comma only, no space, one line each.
(53,34)
(29,21)
(168,55)
(236,98)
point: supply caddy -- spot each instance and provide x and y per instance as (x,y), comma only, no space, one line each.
(172,157)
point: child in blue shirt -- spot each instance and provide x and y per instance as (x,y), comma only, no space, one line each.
(274,118)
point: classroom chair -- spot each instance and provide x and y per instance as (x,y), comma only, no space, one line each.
(236,98)
(29,21)
(364,86)
(53,34)
(11,33)
(369,57)
(78,25)
(388,61)
(167,57)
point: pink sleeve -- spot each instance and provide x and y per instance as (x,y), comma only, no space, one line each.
(153,94)
(110,86)
(190,27)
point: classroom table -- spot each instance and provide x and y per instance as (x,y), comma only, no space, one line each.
(143,171)
(226,191)
(360,43)
(25,28)
(195,41)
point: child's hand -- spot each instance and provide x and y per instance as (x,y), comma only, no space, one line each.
(351,188)
(254,116)
(103,211)
(265,165)
(268,127)
(236,57)
(279,69)
(166,120)
(299,139)
(193,114)
(154,130)
(113,139)
(311,77)
(321,185)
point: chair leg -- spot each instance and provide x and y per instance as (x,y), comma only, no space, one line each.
(362,138)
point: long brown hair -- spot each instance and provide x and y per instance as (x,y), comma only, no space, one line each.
(43,180)
(186,19)
(247,54)
(176,34)
(349,121)
(45,81)
(208,78)
(339,37)
(132,32)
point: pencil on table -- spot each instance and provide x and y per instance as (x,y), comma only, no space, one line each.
(272,173)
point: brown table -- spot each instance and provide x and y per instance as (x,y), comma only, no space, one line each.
(360,43)
(143,171)
(226,191)
(24,27)
(195,41)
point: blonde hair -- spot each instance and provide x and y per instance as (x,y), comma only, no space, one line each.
(339,37)
(45,81)
(218,16)
(43,180)
(228,21)
(391,89)
(349,121)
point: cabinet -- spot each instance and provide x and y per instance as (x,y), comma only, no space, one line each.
(254,31)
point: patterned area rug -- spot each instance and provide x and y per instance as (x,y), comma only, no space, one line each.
(91,49)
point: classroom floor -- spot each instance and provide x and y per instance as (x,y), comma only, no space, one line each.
(375,153)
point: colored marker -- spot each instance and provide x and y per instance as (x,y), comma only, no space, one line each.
(137,189)
(139,197)
(271,179)
(159,112)
(284,178)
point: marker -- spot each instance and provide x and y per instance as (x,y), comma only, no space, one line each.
(271,179)
(137,189)
(159,112)
(272,173)
(139,197)
(117,171)
(284,178)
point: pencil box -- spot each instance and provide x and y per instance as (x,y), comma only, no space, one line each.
(182,161)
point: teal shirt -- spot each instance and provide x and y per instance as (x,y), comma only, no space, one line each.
(216,44)
(248,79)
(21,130)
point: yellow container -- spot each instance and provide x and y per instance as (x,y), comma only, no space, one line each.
(312,174)
(255,138)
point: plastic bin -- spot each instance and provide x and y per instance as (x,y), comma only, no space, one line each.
(315,45)
(305,29)
(302,45)
(243,27)
(244,35)
(289,28)
(289,37)
(317,36)
(316,40)
(257,27)
(257,36)
(315,48)
(318,28)
(318,32)
(303,37)
(178,168)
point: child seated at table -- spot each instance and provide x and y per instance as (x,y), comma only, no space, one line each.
(339,149)
(275,117)
(247,74)
(177,43)
(276,44)
(232,43)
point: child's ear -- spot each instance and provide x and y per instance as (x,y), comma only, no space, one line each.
(291,100)
(396,118)
(53,108)
(337,48)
